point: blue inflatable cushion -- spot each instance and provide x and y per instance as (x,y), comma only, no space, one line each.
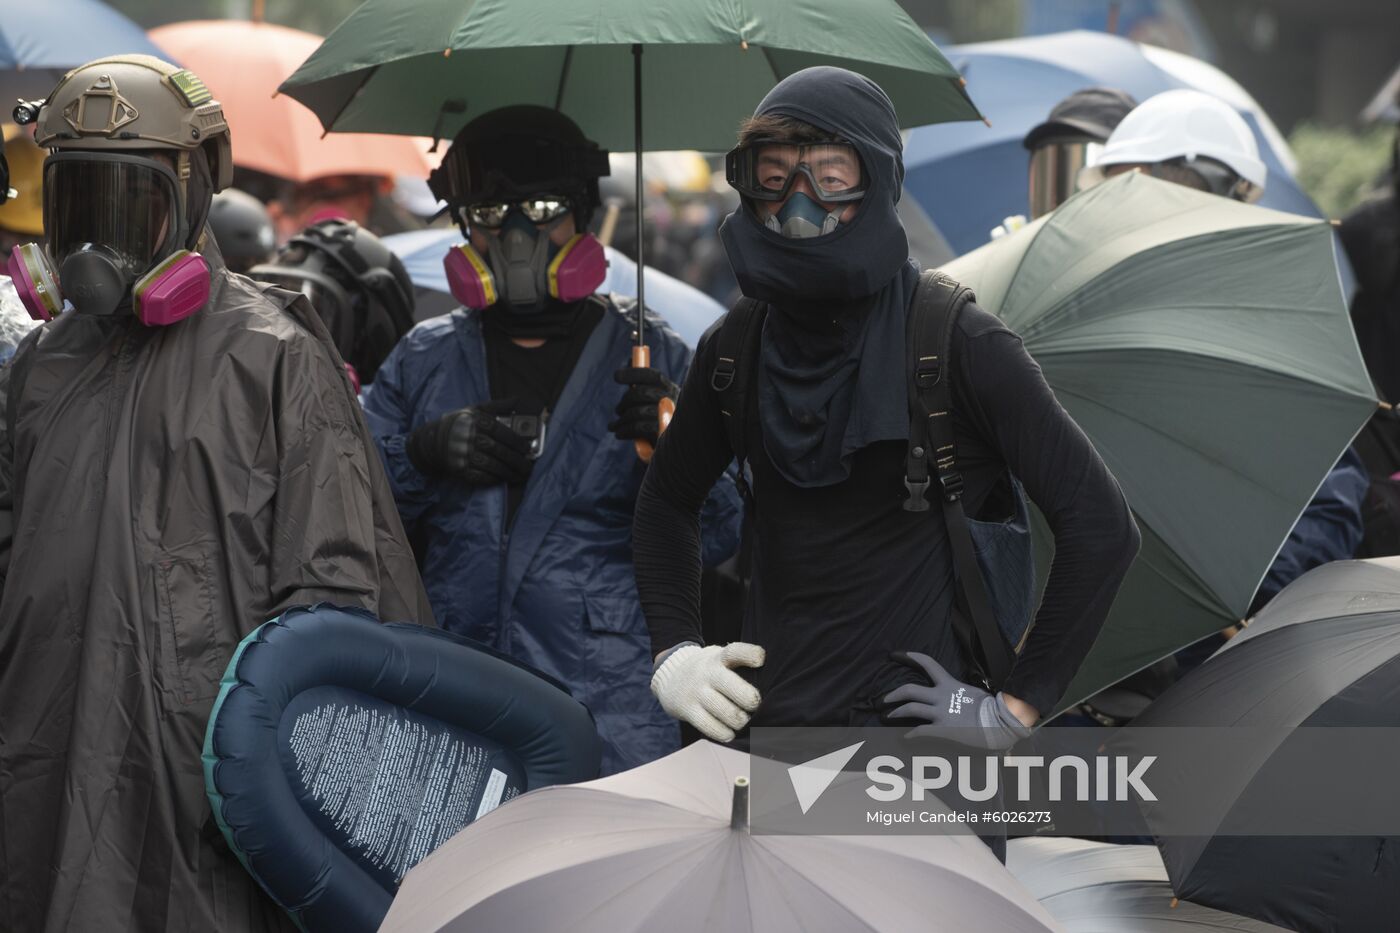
(341,751)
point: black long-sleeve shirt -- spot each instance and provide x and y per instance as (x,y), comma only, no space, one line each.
(843,575)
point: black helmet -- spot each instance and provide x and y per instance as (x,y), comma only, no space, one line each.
(1092,112)
(358,286)
(242,228)
(514,152)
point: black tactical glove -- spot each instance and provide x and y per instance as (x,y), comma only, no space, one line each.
(637,416)
(471,445)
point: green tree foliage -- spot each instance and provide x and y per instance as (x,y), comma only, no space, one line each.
(1337,166)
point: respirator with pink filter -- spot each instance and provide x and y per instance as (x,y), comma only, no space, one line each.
(523,265)
(118,233)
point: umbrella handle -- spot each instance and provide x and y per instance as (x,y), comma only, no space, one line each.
(665,409)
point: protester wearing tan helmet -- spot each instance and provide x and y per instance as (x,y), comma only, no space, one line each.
(181,457)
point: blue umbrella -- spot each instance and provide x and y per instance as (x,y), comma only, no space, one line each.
(61,34)
(969,177)
(688,310)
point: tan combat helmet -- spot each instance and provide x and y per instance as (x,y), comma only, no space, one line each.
(133,102)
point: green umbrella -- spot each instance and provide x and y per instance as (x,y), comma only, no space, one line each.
(428,67)
(1205,348)
(425,68)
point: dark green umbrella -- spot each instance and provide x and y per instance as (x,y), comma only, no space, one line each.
(1204,346)
(426,68)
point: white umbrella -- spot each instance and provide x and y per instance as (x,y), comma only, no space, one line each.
(666,847)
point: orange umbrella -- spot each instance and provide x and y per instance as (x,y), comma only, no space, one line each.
(242,63)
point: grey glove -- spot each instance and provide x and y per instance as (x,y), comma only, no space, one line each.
(953,710)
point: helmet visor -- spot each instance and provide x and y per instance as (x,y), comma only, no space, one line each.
(125,203)
(1054,172)
(767,171)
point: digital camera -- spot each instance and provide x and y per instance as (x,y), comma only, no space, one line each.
(531,427)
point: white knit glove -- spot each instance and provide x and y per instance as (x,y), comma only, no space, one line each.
(697,685)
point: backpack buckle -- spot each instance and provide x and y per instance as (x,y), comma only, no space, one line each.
(918,492)
(723,376)
(952,484)
(927,373)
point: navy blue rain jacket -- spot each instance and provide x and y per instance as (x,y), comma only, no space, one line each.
(1329,529)
(556,592)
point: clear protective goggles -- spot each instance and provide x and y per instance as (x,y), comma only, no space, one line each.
(767,171)
(127,203)
(538,209)
(1054,172)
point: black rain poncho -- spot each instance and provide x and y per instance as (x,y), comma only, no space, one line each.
(163,491)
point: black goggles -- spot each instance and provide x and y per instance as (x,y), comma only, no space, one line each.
(538,209)
(766,171)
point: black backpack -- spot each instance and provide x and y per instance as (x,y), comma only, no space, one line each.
(988,623)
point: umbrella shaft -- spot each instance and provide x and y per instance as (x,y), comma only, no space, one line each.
(641,213)
(739,812)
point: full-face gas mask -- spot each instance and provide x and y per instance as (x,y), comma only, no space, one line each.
(1055,166)
(117,227)
(121,221)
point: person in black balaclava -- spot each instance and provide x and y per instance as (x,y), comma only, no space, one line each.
(510,433)
(849,614)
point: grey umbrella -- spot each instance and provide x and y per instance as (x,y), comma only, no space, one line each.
(1097,887)
(666,847)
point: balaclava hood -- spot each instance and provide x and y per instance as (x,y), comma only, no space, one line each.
(862,255)
(831,377)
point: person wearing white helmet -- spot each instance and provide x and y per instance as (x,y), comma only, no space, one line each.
(1187,137)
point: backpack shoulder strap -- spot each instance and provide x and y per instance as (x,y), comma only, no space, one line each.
(934,311)
(928,339)
(736,351)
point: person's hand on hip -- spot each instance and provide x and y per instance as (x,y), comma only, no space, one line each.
(952,710)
